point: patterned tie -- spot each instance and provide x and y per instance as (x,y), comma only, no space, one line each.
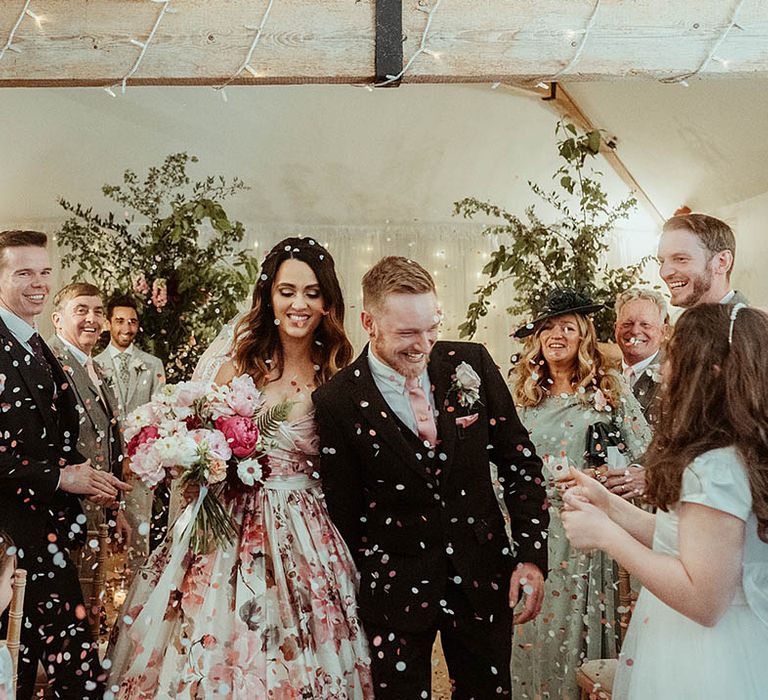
(125,378)
(36,343)
(629,375)
(425,420)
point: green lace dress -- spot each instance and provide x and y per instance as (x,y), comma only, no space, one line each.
(578,617)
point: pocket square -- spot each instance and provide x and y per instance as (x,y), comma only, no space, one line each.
(466,421)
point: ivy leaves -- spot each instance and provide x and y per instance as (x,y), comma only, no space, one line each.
(536,256)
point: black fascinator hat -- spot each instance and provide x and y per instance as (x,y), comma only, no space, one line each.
(559,303)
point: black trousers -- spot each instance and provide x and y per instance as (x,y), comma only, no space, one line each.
(477,652)
(55,631)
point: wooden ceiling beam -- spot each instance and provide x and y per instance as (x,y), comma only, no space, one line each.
(204,42)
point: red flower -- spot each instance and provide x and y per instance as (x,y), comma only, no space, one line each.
(146,434)
(241,433)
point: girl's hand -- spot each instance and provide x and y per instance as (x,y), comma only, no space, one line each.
(587,488)
(585,525)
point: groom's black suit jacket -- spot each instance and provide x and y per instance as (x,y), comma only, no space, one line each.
(38,433)
(411,520)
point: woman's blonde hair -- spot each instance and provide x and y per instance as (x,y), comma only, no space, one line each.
(531,376)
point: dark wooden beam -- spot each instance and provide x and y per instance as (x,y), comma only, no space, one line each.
(389,40)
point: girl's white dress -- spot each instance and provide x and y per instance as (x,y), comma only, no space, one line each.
(666,655)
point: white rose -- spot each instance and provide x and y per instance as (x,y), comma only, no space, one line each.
(467,377)
(249,471)
(178,450)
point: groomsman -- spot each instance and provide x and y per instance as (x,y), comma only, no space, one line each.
(78,317)
(41,475)
(407,434)
(135,376)
(696,256)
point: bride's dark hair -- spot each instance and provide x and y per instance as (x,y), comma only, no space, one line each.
(257,347)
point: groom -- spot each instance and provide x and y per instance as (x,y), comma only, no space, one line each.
(407,433)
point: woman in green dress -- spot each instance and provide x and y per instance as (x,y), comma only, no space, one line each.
(563,387)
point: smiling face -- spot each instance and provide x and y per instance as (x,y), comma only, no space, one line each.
(640,330)
(25,274)
(403,330)
(560,339)
(297,301)
(123,326)
(692,274)
(80,321)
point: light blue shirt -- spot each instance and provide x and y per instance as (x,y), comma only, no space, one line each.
(77,353)
(391,384)
(20,329)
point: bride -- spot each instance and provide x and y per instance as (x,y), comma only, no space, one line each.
(274,614)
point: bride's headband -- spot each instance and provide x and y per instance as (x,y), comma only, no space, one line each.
(734,312)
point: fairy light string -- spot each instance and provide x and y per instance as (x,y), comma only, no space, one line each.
(143,45)
(9,43)
(246,64)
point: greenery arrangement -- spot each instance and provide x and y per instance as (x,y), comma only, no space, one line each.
(539,257)
(183,264)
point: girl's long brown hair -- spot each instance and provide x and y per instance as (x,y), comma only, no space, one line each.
(257,347)
(530,377)
(716,395)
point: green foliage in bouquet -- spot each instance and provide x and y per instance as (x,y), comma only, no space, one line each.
(539,257)
(183,263)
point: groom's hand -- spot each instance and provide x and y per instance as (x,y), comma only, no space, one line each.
(528,578)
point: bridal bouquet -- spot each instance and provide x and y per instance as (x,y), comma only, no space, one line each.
(210,437)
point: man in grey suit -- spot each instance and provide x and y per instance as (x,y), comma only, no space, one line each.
(696,256)
(135,376)
(642,326)
(78,317)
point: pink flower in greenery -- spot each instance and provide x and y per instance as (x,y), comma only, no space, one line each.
(159,293)
(241,434)
(140,285)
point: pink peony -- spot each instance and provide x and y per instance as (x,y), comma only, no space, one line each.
(239,398)
(241,434)
(147,434)
(189,392)
(146,464)
(215,441)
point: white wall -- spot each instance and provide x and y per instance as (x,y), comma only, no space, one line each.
(370,173)
(749,220)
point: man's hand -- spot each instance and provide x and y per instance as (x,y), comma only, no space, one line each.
(122,529)
(628,483)
(529,578)
(126,469)
(98,486)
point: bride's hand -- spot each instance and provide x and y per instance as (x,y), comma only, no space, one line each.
(586,488)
